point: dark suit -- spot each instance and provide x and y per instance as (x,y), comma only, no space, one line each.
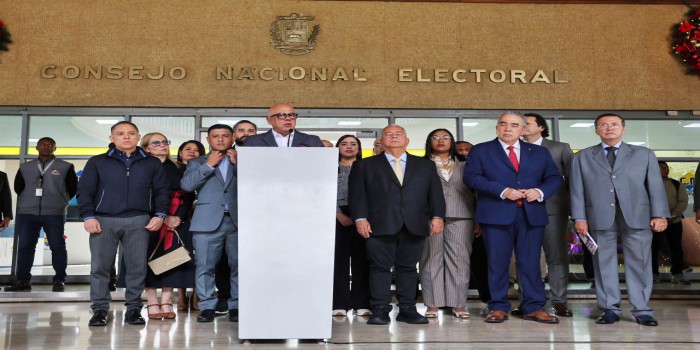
(507,225)
(5,196)
(267,139)
(399,216)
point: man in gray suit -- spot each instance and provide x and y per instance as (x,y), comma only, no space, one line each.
(215,219)
(555,242)
(616,188)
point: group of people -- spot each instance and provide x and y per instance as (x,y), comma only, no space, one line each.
(461,210)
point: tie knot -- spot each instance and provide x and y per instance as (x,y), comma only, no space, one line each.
(611,149)
(510,148)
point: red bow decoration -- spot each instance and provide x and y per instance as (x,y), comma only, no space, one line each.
(685,41)
(165,233)
(686,27)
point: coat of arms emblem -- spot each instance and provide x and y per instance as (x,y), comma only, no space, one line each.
(291,34)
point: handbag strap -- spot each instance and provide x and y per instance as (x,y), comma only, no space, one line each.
(160,240)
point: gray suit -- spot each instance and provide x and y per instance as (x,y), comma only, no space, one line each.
(555,234)
(214,226)
(621,200)
(445,265)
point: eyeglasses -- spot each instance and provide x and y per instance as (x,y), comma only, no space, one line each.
(609,126)
(438,138)
(285,116)
(158,143)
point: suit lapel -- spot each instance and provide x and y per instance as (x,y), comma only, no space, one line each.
(599,157)
(410,169)
(500,153)
(623,153)
(269,139)
(296,141)
(525,152)
(230,174)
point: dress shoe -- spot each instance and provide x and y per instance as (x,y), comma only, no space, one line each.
(222,306)
(206,316)
(379,316)
(233,315)
(19,286)
(133,316)
(58,286)
(99,319)
(541,316)
(679,279)
(496,316)
(561,310)
(168,315)
(517,311)
(608,317)
(646,320)
(411,315)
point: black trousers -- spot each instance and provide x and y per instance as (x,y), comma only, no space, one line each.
(222,277)
(401,251)
(350,252)
(674,237)
(480,269)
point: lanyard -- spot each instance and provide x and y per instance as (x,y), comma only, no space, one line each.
(43,170)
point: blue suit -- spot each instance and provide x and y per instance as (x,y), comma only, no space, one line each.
(506,225)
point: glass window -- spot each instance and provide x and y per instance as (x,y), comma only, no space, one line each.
(177,129)
(10,134)
(417,130)
(260,122)
(668,138)
(74,135)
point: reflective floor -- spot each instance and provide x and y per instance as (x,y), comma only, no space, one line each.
(62,325)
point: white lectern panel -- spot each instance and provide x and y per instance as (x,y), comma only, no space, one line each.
(286,234)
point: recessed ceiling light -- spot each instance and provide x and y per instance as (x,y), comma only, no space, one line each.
(581,125)
(693,125)
(33,140)
(349,123)
(470,123)
(636,143)
(106,121)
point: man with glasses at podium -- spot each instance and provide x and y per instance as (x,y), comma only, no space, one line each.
(283,119)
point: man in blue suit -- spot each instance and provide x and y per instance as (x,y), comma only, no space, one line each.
(215,219)
(283,119)
(513,179)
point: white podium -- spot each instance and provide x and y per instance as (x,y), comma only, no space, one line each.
(286,235)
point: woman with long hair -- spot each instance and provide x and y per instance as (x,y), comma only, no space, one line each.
(188,150)
(157,145)
(444,267)
(350,249)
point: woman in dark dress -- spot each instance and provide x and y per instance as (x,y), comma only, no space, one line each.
(158,145)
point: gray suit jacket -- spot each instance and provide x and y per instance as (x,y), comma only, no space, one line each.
(267,139)
(459,198)
(635,180)
(213,192)
(558,204)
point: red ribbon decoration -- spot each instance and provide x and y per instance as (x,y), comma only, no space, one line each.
(166,234)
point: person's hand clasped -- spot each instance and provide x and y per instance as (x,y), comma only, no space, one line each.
(92,226)
(436,226)
(658,224)
(513,195)
(363,228)
(154,224)
(172,222)
(531,194)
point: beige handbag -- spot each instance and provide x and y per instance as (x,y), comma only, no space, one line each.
(170,260)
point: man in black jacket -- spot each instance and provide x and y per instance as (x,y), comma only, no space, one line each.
(396,200)
(117,193)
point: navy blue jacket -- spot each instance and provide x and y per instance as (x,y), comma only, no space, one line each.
(108,188)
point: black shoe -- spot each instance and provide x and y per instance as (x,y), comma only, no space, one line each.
(112,285)
(410,315)
(646,320)
(516,311)
(222,306)
(561,310)
(19,286)
(206,316)
(133,316)
(99,319)
(608,317)
(233,315)
(58,286)
(379,316)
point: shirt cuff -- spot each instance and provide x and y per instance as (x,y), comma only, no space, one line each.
(503,194)
(541,195)
(360,219)
(88,218)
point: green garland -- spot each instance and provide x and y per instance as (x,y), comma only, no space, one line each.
(5,37)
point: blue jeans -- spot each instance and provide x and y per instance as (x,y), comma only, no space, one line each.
(27,227)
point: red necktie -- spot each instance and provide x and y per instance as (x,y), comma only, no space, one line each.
(514,159)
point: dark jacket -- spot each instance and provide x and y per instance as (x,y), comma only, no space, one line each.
(108,188)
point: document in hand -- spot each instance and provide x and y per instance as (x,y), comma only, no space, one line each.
(588,241)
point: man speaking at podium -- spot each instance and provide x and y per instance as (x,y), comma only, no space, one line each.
(283,119)
(396,201)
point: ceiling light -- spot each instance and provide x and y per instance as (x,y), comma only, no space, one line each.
(33,140)
(349,123)
(106,121)
(693,125)
(581,125)
(470,123)
(636,143)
